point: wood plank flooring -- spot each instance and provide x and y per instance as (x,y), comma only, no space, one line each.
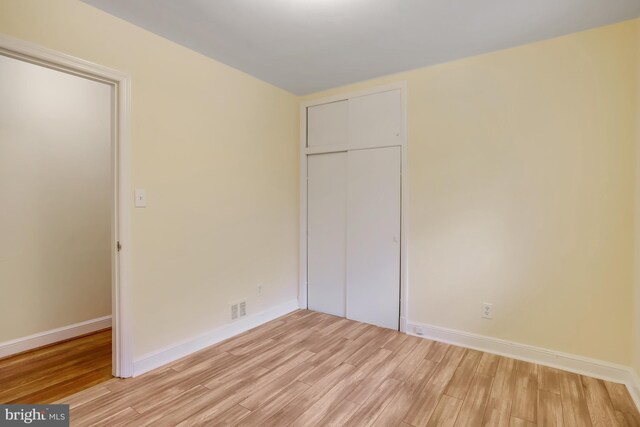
(311,369)
(50,373)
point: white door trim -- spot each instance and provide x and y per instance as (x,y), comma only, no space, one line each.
(404,218)
(121,167)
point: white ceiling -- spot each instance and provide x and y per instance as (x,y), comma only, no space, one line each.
(309,45)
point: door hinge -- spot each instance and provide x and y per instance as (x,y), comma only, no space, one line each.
(119,246)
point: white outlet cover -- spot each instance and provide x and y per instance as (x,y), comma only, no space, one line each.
(487,310)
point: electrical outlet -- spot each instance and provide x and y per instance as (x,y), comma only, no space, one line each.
(260,289)
(243,308)
(234,311)
(487,311)
(418,330)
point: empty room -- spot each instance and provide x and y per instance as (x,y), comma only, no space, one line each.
(320,213)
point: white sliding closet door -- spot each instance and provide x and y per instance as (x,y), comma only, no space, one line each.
(373,236)
(327,230)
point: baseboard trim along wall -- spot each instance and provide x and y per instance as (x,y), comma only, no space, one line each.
(541,356)
(52,336)
(174,352)
(634,387)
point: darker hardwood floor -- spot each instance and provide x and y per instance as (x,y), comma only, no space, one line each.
(47,374)
(311,369)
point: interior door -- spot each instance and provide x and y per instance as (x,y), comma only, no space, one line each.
(373,236)
(326,228)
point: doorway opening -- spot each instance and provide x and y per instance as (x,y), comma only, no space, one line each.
(65,185)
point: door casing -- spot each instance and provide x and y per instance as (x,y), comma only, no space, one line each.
(122,351)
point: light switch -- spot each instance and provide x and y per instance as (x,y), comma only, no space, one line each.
(141,198)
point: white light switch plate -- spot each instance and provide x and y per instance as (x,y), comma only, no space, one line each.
(141,198)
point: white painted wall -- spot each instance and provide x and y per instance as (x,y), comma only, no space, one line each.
(55,199)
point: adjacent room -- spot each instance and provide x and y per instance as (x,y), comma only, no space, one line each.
(320,212)
(55,155)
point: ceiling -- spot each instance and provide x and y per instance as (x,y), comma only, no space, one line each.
(309,45)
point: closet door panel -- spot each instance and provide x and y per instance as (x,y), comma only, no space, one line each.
(327,125)
(326,242)
(375,120)
(373,236)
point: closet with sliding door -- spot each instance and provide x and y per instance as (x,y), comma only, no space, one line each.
(353,207)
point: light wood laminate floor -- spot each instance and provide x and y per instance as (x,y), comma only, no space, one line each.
(311,369)
(50,373)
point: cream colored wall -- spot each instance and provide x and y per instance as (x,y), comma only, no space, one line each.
(216,151)
(55,155)
(521,176)
(521,168)
(636,329)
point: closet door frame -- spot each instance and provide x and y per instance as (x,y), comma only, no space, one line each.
(305,151)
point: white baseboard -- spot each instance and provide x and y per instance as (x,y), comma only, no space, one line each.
(176,351)
(555,359)
(30,342)
(634,386)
